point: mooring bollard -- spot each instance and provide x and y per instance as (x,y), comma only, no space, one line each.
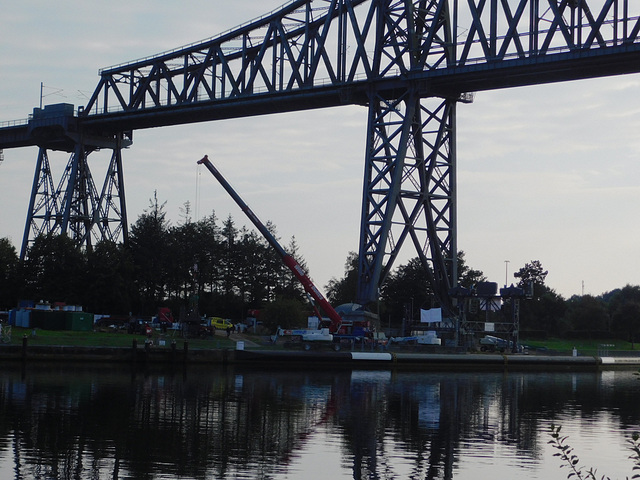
(134,350)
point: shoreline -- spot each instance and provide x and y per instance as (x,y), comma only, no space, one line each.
(144,355)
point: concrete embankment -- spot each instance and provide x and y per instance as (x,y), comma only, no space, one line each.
(303,359)
(435,360)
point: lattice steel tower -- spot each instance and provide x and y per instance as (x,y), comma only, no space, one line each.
(408,62)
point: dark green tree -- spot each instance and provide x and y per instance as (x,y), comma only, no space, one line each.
(179,281)
(405,292)
(9,283)
(209,253)
(543,311)
(344,290)
(532,274)
(228,282)
(290,285)
(110,283)
(193,252)
(148,243)
(243,270)
(467,276)
(257,272)
(284,312)
(624,309)
(587,314)
(269,265)
(627,320)
(55,270)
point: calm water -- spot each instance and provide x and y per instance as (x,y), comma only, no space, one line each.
(72,422)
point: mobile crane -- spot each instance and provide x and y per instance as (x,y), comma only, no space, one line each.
(336,328)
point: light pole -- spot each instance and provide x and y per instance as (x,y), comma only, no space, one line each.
(506,272)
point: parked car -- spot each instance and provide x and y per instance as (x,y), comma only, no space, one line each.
(221,323)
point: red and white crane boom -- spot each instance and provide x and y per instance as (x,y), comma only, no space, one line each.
(289,261)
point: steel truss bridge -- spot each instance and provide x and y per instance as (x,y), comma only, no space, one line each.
(408,62)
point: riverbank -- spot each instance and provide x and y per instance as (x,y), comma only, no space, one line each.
(172,355)
(252,350)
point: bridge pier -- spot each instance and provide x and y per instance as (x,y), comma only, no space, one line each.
(409,192)
(73,206)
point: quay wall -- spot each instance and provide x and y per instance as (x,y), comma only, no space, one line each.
(308,359)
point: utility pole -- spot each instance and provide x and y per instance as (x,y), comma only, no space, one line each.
(506,272)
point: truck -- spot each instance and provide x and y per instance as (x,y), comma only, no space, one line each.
(332,328)
(489,343)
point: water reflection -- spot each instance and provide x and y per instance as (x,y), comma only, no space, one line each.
(68,422)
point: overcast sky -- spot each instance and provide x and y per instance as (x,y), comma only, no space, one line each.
(549,173)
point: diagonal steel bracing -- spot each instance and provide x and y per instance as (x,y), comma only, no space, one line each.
(328,52)
(410,157)
(409,191)
(44,211)
(75,207)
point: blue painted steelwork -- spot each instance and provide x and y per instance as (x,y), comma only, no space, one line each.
(332,52)
(408,62)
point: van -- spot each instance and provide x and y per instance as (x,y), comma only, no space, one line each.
(221,323)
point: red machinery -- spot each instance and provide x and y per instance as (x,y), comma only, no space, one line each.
(289,261)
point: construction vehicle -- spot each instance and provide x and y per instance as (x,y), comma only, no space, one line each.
(164,317)
(333,330)
(489,343)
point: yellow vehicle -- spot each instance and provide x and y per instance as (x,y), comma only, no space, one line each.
(221,323)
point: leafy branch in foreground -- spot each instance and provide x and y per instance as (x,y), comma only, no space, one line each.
(572,461)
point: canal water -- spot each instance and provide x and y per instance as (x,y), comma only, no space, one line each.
(115,422)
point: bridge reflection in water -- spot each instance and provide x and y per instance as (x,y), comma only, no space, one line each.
(63,422)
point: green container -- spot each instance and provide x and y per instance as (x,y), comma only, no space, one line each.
(79,321)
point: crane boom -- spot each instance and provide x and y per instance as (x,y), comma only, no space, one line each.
(289,261)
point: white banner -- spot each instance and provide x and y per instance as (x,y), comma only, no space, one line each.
(431,316)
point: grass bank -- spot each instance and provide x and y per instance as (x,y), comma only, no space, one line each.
(112,339)
(584,347)
(552,346)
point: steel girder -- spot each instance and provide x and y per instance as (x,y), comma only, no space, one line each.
(75,207)
(305,44)
(328,52)
(409,192)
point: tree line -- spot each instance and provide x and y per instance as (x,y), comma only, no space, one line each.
(216,268)
(545,314)
(208,266)
(615,313)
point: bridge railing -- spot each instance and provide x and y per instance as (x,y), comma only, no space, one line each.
(14,123)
